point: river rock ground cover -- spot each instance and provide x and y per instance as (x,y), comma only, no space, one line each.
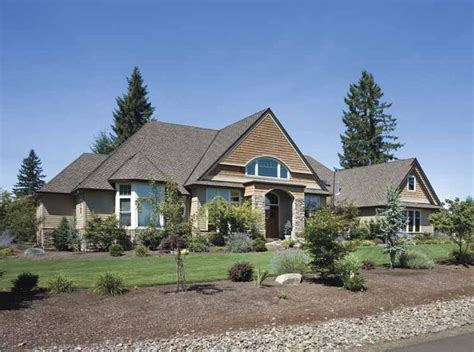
(155,313)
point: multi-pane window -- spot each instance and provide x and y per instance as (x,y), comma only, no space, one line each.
(230,195)
(125,212)
(148,198)
(311,202)
(413,221)
(267,167)
(411,183)
(125,190)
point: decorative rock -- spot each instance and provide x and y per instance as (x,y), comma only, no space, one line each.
(289,279)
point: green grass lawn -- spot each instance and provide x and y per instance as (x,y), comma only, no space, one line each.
(161,270)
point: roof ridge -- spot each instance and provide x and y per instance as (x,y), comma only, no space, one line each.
(184,125)
(376,165)
(260,112)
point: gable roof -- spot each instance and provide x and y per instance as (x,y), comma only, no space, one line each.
(138,167)
(325,174)
(73,174)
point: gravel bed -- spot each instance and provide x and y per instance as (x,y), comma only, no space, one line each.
(337,334)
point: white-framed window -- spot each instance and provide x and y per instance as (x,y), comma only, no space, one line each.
(231,195)
(311,202)
(133,213)
(411,183)
(267,167)
(413,221)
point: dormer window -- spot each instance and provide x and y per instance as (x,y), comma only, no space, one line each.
(267,167)
(411,183)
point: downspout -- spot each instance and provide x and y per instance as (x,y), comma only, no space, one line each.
(334,189)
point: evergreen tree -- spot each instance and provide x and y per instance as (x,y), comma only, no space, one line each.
(368,138)
(30,177)
(103,144)
(65,237)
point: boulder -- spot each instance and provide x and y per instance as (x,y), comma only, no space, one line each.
(289,279)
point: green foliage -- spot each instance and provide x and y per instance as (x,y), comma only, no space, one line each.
(457,221)
(290,261)
(347,269)
(108,284)
(288,243)
(172,209)
(104,144)
(239,243)
(359,232)
(116,250)
(368,138)
(260,276)
(25,282)
(287,228)
(151,237)
(322,232)
(282,295)
(241,272)
(20,219)
(198,244)
(216,239)
(141,250)
(374,229)
(60,283)
(415,260)
(172,243)
(66,237)
(368,265)
(392,218)
(259,245)
(5,201)
(101,233)
(466,258)
(30,176)
(227,218)
(6,251)
(34,252)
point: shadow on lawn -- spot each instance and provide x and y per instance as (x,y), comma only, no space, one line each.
(16,301)
(204,289)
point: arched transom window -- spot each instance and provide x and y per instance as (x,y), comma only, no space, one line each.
(267,167)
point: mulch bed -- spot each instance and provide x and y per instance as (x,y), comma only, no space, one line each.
(156,312)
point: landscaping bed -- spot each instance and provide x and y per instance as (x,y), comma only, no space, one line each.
(81,318)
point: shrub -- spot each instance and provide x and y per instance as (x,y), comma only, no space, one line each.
(116,250)
(60,284)
(359,232)
(259,245)
(290,261)
(322,231)
(65,237)
(101,233)
(463,257)
(141,250)
(239,243)
(241,272)
(415,260)
(347,269)
(25,282)
(172,242)
(34,252)
(6,251)
(216,239)
(288,243)
(198,244)
(260,276)
(151,237)
(20,219)
(368,265)
(6,240)
(108,284)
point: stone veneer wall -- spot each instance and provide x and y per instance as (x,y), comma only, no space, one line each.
(298,216)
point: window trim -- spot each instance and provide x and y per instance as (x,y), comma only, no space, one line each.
(414,183)
(279,165)
(229,194)
(415,213)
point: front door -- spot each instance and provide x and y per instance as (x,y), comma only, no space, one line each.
(272,208)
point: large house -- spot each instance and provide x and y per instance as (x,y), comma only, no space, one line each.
(253,159)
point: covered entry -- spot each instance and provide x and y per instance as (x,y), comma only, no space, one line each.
(278,210)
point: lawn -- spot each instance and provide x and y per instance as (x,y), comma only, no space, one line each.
(161,270)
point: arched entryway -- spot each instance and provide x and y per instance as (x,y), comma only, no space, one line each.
(278,211)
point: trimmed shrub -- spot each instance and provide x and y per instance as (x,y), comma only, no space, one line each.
(288,243)
(102,233)
(241,272)
(108,284)
(116,250)
(290,261)
(6,251)
(151,237)
(368,265)
(141,250)
(239,243)
(25,282)
(60,284)
(34,252)
(172,242)
(216,239)
(260,245)
(198,244)
(359,232)
(415,260)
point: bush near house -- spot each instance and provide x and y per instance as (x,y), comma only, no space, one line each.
(102,233)
(151,237)
(116,250)
(347,269)
(239,243)
(198,244)
(241,272)
(65,237)
(141,250)
(259,245)
(290,261)
(216,239)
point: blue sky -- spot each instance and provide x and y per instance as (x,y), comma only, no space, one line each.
(210,63)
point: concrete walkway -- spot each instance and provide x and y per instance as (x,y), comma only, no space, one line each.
(460,343)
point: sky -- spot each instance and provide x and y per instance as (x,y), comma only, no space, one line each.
(210,63)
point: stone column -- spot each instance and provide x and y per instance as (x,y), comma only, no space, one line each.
(298,218)
(258,203)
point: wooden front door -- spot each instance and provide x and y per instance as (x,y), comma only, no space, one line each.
(271,222)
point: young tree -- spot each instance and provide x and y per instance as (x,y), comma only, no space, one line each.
(20,219)
(457,220)
(65,237)
(392,220)
(368,138)
(103,144)
(30,177)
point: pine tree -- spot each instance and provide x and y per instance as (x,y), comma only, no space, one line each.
(30,177)
(368,138)
(103,144)
(134,109)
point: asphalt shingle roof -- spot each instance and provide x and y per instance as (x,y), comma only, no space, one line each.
(138,167)
(325,174)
